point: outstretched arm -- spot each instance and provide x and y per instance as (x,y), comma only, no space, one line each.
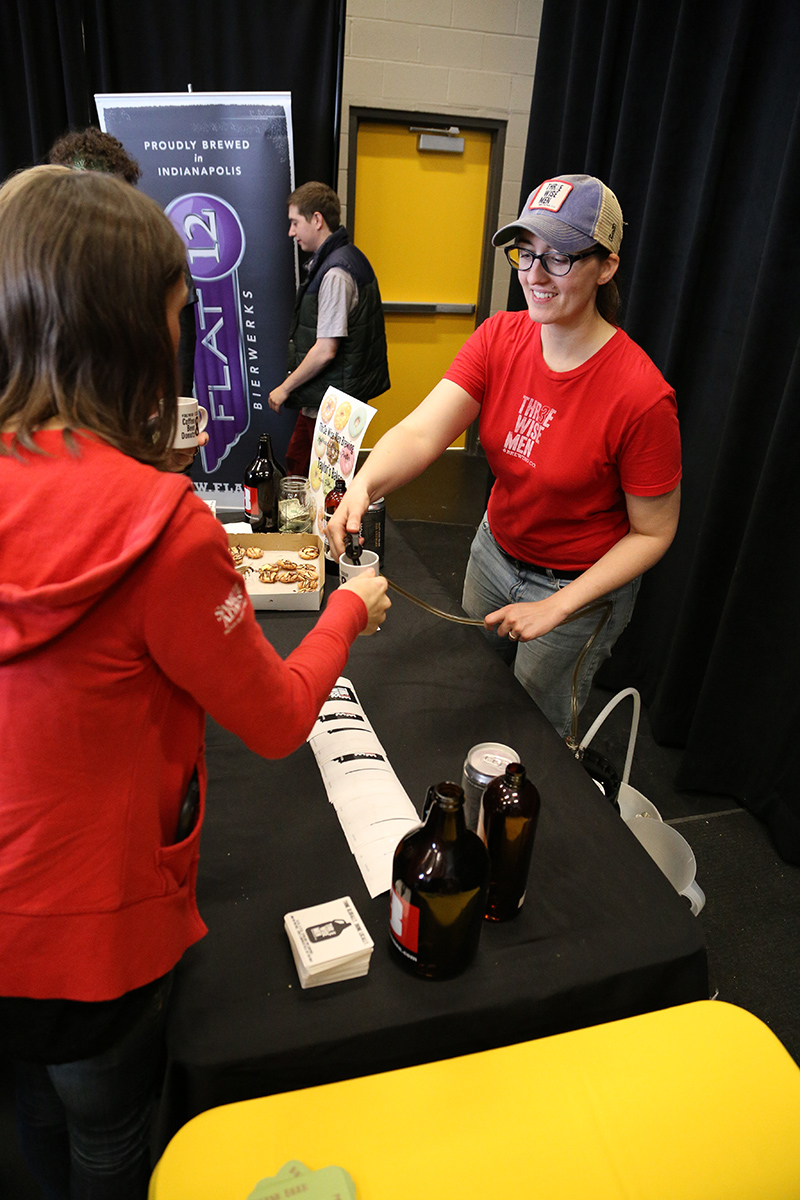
(403,453)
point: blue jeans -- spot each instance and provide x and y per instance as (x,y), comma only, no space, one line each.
(84,1127)
(545,665)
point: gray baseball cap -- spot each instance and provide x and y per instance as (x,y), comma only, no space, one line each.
(570,213)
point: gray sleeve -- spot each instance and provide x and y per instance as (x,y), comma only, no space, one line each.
(338,296)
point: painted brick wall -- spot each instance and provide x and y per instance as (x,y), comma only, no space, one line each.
(468,57)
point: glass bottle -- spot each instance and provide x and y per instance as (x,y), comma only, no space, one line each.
(332,502)
(440,875)
(334,498)
(261,488)
(507,824)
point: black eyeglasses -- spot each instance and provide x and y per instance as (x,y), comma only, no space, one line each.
(522,259)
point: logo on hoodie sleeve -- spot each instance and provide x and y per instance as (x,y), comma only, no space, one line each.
(230,613)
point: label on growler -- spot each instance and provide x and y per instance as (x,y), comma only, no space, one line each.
(404,925)
(251,502)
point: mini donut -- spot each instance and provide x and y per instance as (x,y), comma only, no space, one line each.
(237,554)
(332,450)
(328,405)
(328,484)
(315,476)
(321,522)
(357,423)
(309,552)
(320,444)
(254,552)
(342,415)
(346,459)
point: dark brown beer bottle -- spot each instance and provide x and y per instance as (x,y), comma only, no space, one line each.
(439,879)
(507,823)
(334,498)
(332,502)
(261,488)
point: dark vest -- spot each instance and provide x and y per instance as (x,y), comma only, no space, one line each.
(360,367)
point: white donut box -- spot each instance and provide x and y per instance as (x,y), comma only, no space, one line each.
(275,546)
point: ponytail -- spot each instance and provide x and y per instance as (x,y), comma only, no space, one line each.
(608,299)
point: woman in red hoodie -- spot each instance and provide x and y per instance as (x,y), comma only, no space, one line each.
(122,622)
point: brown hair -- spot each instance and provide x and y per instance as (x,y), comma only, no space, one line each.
(86,262)
(608,299)
(92,150)
(318,197)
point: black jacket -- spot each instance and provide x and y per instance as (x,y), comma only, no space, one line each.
(360,367)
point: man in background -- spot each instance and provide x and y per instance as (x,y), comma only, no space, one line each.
(337,336)
(92,150)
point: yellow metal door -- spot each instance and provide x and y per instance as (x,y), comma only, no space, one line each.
(419,218)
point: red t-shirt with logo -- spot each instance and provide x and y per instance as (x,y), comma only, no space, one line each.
(565,446)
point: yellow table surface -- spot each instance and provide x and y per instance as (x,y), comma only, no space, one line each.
(697,1102)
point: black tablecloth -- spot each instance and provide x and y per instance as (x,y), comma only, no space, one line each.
(602,934)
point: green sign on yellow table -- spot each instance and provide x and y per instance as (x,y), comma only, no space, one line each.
(295,1180)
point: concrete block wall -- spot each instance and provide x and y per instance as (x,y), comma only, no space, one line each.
(449,57)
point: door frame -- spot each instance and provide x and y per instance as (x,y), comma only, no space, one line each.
(496,127)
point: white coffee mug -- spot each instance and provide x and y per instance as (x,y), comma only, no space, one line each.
(190,421)
(348,569)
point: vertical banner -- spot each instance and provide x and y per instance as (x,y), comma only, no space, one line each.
(221,166)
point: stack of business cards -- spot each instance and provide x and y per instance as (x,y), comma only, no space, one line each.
(329,942)
(294,1179)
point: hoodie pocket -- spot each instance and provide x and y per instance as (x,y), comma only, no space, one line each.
(175,863)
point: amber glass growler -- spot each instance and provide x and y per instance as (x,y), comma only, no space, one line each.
(507,823)
(439,878)
(261,488)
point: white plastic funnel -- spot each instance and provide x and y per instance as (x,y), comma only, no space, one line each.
(673,854)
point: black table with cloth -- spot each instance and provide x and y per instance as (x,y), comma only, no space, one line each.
(602,934)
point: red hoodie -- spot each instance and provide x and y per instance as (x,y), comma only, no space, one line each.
(122,622)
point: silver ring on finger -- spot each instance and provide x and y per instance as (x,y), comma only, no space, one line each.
(513,637)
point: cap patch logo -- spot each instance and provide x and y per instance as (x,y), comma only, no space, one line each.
(551,195)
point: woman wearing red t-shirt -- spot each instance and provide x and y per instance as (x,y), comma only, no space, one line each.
(580,431)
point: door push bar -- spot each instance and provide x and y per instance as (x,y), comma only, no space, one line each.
(402,306)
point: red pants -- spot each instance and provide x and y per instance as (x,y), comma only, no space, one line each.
(298,452)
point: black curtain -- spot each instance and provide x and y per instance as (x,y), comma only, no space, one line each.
(56,54)
(690,112)
(44,89)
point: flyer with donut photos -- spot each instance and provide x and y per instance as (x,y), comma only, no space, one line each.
(341,424)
